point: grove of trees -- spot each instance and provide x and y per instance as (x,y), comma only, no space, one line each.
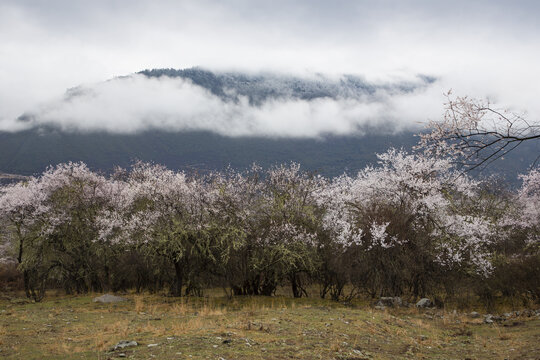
(415,224)
(412,225)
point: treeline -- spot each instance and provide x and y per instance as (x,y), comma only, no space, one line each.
(411,226)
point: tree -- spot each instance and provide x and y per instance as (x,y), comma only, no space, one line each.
(165,213)
(240,205)
(273,215)
(52,222)
(476,133)
(76,197)
(401,223)
(292,224)
(23,206)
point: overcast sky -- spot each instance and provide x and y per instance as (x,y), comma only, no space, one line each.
(478,48)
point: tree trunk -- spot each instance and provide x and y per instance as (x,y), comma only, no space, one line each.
(26,279)
(176,289)
(296,287)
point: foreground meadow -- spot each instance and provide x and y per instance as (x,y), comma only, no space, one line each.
(69,327)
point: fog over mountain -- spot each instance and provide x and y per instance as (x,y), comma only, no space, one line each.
(235,104)
(201,119)
(483,49)
(327,84)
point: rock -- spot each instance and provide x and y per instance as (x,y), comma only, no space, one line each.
(424,303)
(108,298)
(474,315)
(390,301)
(152,345)
(359,353)
(490,319)
(124,344)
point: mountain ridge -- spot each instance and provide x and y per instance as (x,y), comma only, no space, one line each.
(30,151)
(262,86)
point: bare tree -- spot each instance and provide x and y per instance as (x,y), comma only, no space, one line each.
(476,133)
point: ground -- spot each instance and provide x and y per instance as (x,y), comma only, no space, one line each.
(74,327)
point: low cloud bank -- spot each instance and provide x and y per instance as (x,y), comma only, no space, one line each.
(137,103)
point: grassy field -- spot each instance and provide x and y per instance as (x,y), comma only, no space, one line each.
(252,328)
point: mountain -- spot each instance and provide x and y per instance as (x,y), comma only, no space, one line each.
(259,88)
(29,152)
(42,144)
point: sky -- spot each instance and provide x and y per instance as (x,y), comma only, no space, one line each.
(484,49)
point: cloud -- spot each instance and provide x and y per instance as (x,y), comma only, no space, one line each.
(480,48)
(137,103)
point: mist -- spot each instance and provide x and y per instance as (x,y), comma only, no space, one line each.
(484,49)
(136,103)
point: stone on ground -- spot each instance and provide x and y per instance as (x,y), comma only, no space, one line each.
(474,315)
(423,303)
(389,301)
(108,298)
(124,344)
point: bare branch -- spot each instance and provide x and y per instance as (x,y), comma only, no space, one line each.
(476,134)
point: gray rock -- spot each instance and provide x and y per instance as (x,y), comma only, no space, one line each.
(390,301)
(108,298)
(490,319)
(124,344)
(474,315)
(424,303)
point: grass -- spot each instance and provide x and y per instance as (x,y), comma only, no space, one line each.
(68,327)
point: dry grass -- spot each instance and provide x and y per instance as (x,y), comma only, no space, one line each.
(138,300)
(179,309)
(74,327)
(3,330)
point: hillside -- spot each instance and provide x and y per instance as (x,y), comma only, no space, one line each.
(259,88)
(202,142)
(32,151)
